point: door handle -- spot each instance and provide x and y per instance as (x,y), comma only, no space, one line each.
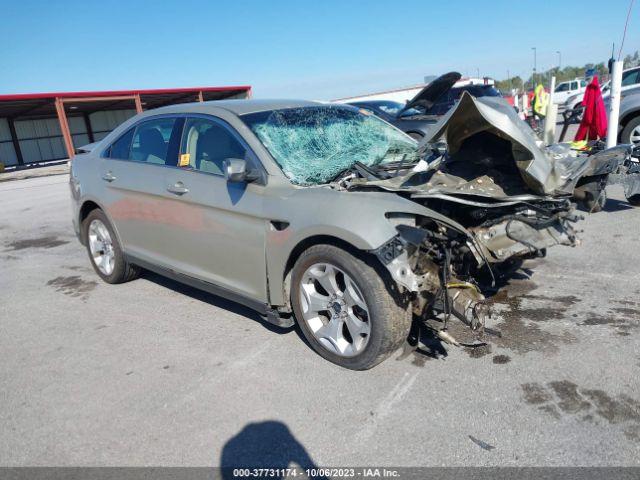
(108,177)
(178,189)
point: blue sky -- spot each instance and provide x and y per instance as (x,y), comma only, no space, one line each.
(308,49)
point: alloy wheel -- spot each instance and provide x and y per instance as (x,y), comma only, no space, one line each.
(334,309)
(101,247)
(635,136)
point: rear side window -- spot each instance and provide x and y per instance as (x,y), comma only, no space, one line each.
(151,142)
(120,148)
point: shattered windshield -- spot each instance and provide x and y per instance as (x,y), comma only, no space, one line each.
(314,144)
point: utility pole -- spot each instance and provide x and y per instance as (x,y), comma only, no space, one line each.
(509,80)
(535,61)
(614,99)
(559,60)
(478,71)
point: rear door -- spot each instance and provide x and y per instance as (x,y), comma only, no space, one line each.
(133,176)
(219,230)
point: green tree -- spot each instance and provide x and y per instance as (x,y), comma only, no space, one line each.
(564,74)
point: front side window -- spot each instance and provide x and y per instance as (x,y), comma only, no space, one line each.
(151,142)
(574,85)
(313,145)
(563,87)
(207,144)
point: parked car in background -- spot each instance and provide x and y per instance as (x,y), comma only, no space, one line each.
(564,90)
(630,80)
(421,112)
(630,116)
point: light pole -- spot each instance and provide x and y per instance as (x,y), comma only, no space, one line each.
(559,60)
(478,71)
(535,61)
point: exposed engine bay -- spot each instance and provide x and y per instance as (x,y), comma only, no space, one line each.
(506,196)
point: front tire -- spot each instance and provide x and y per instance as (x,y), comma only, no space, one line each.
(350,314)
(105,252)
(592,194)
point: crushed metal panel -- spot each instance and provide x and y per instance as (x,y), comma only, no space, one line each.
(474,115)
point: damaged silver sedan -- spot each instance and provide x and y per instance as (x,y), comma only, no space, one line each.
(321,214)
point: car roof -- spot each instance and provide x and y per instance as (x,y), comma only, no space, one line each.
(239,106)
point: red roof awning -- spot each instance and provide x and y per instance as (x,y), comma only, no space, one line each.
(43,104)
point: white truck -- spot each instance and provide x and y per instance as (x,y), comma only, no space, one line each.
(567,89)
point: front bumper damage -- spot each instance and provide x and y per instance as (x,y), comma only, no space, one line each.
(444,270)
(627,174)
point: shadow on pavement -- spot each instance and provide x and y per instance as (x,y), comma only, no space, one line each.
(268,444)
(612,205)
(213,300)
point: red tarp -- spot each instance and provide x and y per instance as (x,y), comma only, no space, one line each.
(594,121)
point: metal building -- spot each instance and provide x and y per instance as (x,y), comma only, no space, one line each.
(44,127)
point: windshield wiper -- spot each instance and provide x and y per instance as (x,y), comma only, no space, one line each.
(365,172)
(362,170)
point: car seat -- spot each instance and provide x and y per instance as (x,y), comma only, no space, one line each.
(213,147)
(153,148)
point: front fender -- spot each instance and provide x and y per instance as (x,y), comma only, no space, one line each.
(357,218)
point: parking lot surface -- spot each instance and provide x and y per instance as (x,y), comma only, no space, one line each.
(155,373)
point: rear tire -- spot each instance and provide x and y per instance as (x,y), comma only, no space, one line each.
(105,252)
(387,320)
(634,200)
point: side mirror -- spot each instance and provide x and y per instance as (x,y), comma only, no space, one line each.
(235,170)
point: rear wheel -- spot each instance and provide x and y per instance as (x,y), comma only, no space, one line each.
(105,251)
(634,200)
(346,311)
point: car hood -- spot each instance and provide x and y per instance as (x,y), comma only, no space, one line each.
(426,97)
(536,170)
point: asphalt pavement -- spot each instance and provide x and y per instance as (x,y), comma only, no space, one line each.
(155,373)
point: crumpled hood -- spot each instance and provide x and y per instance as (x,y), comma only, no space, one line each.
(474,115)
(545,170)
(494,154)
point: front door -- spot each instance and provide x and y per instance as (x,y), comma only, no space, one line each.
(218,230)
